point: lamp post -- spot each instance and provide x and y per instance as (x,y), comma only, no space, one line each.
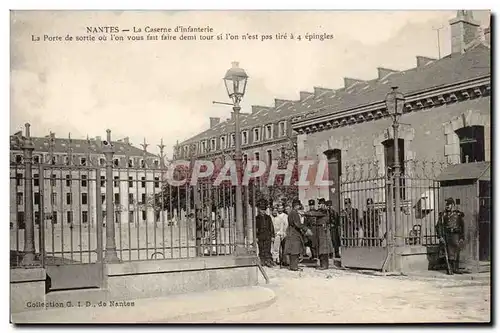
(395,103)
(236,82)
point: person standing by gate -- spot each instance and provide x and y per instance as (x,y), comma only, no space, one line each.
(294,245)
(371,223)
(451,232)
(321,233)
(280,225)
(265,234)
(350,222)
(310,242)
(334,222)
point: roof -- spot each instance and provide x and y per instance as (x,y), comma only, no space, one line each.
(477,170)
(78,146)
(472,64)
(261,115)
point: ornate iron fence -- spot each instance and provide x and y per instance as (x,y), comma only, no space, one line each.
(104,204)
(368,198)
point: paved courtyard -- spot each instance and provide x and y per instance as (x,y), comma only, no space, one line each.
(339,296)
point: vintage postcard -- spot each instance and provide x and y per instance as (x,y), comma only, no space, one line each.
(250,166)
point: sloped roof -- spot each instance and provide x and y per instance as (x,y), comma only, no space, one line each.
(477,170)
(78,146)
(474,63)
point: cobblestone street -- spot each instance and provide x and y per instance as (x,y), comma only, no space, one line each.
(338,296)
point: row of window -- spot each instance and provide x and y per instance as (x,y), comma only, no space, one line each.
(69,217)
(84,198)
(269,156)
(83,161)
(226,141)
(36,181)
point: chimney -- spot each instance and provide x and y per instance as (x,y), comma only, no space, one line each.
(348,82)
(279,102)
(318,91)
(463,31)
(487,34)
(214,121)
(305,94)
(98,138)
(125,140)
(422,61)
(255,108)
(383,72)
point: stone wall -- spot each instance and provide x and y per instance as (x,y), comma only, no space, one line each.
(428,134)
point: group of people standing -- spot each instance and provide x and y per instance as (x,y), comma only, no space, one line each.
(283,236)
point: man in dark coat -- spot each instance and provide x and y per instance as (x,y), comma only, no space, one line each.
(265,235)
(321,233)
(310,242)
(294,245)
(451,230)
(371,223)
(350,222)
(334,220)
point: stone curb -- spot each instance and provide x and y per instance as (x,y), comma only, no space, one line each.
(481,277)
(191,318)
(177,308)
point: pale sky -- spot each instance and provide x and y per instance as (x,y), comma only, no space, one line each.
(165,89)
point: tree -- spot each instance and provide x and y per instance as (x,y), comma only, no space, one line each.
(171,197)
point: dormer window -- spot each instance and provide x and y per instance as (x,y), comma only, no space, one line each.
(222,142)
(36,159)
(282,128)
(83,161)
(156,163)
(186,150)
(213,145)
(256,134)
(130,163)
(203,146)
(244,137)
(116,162)
(232,141)
(268,134)
(102,162)
(19,158)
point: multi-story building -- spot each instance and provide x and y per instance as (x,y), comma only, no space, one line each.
(266,132)
(446,114)
(69,180)
(444,129)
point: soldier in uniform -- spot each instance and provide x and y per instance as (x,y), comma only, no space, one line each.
(322,239)
(451,230)
(371,223)
(350,222)
(334,219)
(294,245)
(308,220)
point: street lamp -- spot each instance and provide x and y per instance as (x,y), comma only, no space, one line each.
(236,83)
(394,102)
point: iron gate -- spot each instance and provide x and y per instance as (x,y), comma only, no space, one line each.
(368,230)
(77,204)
